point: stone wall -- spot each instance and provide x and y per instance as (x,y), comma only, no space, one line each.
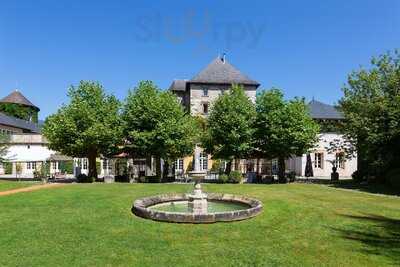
(141,209)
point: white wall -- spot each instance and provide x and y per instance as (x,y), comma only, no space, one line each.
(298,164)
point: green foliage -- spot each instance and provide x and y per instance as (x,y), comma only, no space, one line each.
(20,111)
(155,124)
(393,178)
(66,166)
(371,105)
(83,178)
(330,126)
(153,179)
(235,177)
(217,165)
(3,147)
(18,168)
(223,178)
(7,167)
(283,128)
(88,126)
(230,131)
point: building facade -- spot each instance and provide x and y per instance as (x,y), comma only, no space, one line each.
(322,158)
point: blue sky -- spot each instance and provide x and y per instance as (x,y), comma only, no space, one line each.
(307,48)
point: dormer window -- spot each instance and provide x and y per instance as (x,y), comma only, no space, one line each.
(205,91)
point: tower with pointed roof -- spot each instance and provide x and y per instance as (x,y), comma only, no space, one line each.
(18,106)
(198,93)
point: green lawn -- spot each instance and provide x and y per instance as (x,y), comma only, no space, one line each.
(8,185)
(301,225)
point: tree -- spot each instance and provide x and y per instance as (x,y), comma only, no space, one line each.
(155,124)
(3,147)
(283,128)
(229,131)
(89,126)
(371,106)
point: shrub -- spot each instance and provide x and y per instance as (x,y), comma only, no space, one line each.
(66,166)
(153,179)
(223,178)
(7,167)
(121,178)
(235,177)
(268,179)
(83,178)
(393,178)
(358,176)
(292,176)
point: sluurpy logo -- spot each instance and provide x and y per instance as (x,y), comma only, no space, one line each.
(200,28)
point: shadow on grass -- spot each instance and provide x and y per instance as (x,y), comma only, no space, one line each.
(373,188)
(379,235)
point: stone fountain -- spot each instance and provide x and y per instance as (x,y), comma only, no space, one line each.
(197,207)
(197,200)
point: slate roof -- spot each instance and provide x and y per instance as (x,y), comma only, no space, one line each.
(58,157)
(220,71)
(319,110)
(178,85)
(17,98)
(18,123)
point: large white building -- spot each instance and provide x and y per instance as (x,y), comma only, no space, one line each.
(27,148)
(322,158)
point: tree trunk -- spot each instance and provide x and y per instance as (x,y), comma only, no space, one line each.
(165,171)
(258,166)
(92,164)
(228,167)
(158,167)
(281,170)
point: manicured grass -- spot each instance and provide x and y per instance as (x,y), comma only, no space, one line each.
(301,225)
(8,185)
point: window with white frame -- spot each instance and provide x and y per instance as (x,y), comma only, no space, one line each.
(31,165)
(106,164)
(179,165)
(55,165)
(340,160)
(318,160)
(204,161)
(84,164)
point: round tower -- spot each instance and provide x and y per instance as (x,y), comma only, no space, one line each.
(18,106)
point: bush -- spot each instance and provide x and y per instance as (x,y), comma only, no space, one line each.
(235,177)
(292,176)
(393,178)
(359,176)
(66,166)
(83,178)
(268,179)
(7,167)
(121,179)
(223,178)
(152,179)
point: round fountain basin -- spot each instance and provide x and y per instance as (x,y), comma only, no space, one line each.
(174,208)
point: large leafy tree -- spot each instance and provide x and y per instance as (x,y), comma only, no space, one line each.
(3,147)
(283,128)
(155,124)
(88,126)
(229,132)
(371,106)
